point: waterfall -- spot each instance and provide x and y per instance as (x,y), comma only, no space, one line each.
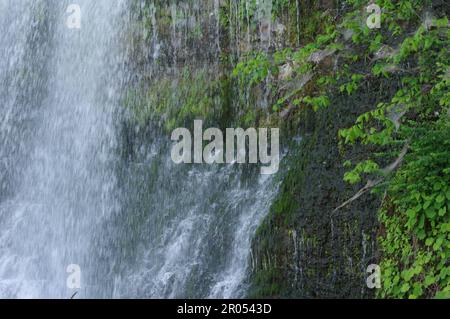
(57,139)
(137,226)
(195,230)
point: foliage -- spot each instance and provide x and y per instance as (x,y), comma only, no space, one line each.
(415,238)
(253,69)
(416,246)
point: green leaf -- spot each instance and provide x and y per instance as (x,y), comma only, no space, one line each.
(440,198)
(418,291)
(407,274)
(405,287)
(438,244)
(443,295)
(429,242)
(429,280)
(431,213)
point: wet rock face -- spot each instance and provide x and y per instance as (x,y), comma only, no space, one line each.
(303,249)
(175,33)
(327,4)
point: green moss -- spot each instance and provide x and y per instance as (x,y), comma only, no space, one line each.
(176,100)
(267,284)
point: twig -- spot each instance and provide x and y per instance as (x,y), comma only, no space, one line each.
(372,183)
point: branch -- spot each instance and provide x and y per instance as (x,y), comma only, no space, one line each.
(372,183)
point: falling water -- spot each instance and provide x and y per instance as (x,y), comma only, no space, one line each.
(195,228)
(138,227)
(58,141)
